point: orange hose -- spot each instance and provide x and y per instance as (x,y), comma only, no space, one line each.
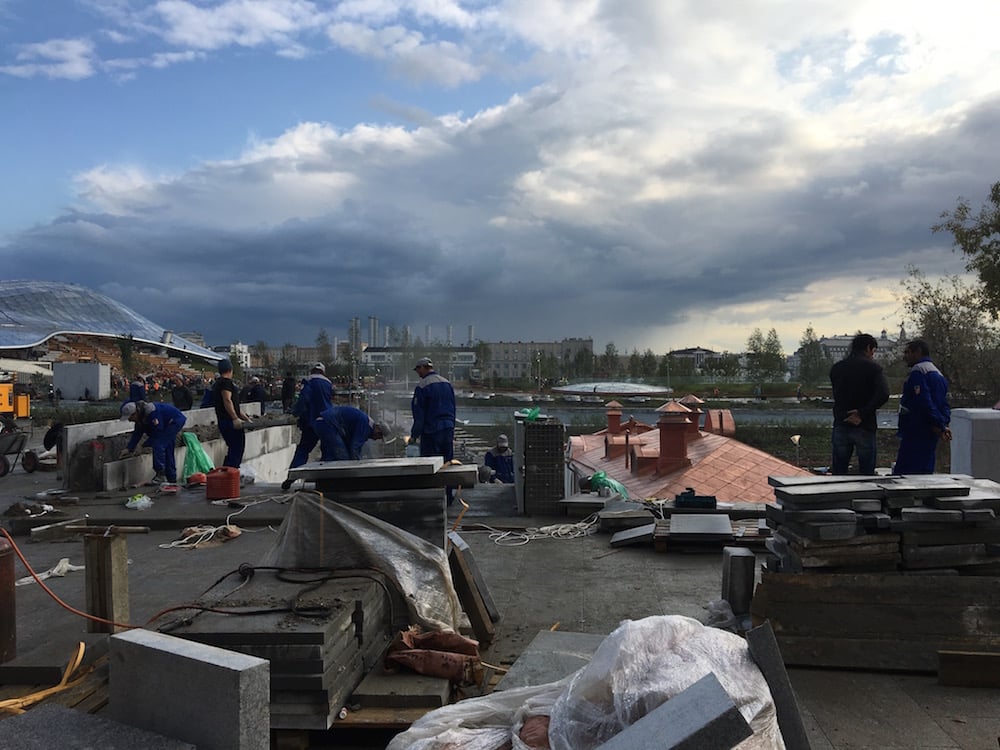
(59,601)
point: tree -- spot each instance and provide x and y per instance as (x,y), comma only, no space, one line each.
(324,351)
(261,353)
(814,364)
(609,364)
(583,364)
(289,358)
(964,340)
(774,356)
(634,364)
(978,237)
(648,366)
(754,354)
(765,358)
(126,347)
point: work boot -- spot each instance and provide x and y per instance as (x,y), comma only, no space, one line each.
(287,484)
(158,479)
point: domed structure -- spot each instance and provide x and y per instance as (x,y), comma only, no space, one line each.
(32,312)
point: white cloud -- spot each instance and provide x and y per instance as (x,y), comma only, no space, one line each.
(72,59)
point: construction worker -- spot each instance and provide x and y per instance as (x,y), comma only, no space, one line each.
(343,431)
(315,397)
(231,420)
(500,460)
(161,423)
(433,408)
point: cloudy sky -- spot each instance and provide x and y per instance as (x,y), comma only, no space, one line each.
(653,173)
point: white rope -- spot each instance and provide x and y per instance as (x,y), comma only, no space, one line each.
(519,537)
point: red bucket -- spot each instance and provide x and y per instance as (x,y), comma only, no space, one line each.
(222,483)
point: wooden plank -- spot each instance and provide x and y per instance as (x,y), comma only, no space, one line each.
(969,668)
(106,562)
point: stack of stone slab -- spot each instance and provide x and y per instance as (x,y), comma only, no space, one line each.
(931,523)
(321,639)
(911,575)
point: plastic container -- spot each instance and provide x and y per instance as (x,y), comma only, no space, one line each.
(222,483)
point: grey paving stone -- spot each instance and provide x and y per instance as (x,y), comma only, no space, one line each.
(50,726)
(550,656)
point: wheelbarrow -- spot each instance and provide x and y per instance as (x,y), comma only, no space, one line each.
(12,444)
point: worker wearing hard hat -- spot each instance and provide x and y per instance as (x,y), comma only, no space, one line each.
(315,397)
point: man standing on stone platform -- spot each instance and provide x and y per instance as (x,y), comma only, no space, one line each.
(859,389)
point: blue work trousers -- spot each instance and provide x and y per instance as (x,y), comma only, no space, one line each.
(307,441)
(332,445)
(440,443)
(236,443)
(846,440)
(917,451)
(164,460)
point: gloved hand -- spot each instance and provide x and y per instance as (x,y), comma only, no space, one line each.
(124,453)
(237,424)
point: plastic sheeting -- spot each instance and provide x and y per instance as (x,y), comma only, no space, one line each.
(319,533)
(639,666)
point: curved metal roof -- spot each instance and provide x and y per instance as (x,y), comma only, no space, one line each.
(31,312)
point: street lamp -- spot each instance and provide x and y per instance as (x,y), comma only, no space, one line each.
(795,441)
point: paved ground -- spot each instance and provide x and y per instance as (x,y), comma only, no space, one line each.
(578,584)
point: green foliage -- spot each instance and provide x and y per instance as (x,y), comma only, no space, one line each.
(978,237)
(126,347)
(953,319)
(324,351)
(814,364)
(765,358)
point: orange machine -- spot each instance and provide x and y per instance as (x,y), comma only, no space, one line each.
(17,406)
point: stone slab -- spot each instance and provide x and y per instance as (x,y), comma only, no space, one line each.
(401,690)
(693,527)
(739,569)
(765,652)
(208,696)
(368,468)
(45,665)
(551,655)
(484,590)
(51,726)
(931,515)
(638,535)
(464,475)
(702,716)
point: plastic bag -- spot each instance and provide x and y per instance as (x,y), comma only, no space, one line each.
(644,663)
(600,479)
(530,415)
(139,502)
(195,458)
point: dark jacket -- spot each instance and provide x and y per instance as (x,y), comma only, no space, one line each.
(858,383)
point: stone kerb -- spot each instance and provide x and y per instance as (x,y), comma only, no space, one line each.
(268,453)
(975,443)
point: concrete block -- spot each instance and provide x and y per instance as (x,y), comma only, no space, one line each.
(52,726)
(703,716)
(201,694)
(739,569)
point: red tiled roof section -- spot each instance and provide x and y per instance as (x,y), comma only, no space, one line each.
(720,466)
